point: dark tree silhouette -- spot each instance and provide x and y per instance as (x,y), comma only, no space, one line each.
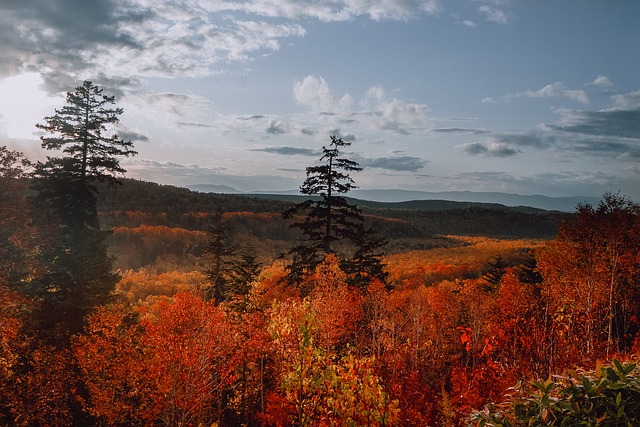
(15,225)
(77,272)
(80,130)
(328,221)
(219,259)
(494,275)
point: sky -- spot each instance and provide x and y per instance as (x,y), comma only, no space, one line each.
(516,96)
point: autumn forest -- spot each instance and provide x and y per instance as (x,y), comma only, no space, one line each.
(128,303)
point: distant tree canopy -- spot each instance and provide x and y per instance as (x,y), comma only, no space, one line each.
(329,222)
(14,222)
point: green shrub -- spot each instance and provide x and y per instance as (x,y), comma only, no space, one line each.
(607,396)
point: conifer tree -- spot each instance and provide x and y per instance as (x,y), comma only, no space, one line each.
(15,233)
(77,272)
(494,275)
(219,257)
(329,221)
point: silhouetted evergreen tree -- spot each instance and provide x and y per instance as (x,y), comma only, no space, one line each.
(15,233)
(219,258)
(244,270)
(493,276)
(366,262)
(328,220)
(77,272)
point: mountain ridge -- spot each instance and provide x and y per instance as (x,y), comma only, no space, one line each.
(561,203)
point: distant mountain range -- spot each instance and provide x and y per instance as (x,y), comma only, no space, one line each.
(563,204)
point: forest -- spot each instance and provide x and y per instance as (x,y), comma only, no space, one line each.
(128,303)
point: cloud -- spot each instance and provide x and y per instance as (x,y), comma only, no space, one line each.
(193,125)
(552,90)
(315,93)
(374,112)
(613,132)
(503,144)
(607,123)
(188,174)
(67,40)
(461,131)
(561,183)
(276,127)
(602,81)
(488,150)
(494,15)
(395,163)
(130,135)
(626,101)
(522,140)
(167,107)
(336,10)
(289,151)
(251,117)
(392,114)
(469,23)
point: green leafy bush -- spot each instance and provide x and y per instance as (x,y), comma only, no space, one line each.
(607,396)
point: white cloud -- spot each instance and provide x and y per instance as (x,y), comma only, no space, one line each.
(166,108)
(392,114)
(315,93)
(552,90)
(494,15)
(577,95)
(330,10)
(374,112)
(602,81)
(469,23)
(626,101)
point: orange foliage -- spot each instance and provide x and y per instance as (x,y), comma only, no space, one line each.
(336,306)
(188,363)
(426,267)
(138,286)
(113,361)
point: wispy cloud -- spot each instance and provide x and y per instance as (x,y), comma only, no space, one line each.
(394,163)
(493,14)
(494,149)
(289,151)
(276,127)
(621,121)
(461,131)
(327,10)
(561,183)
(552,90)
(189,174)
(130,135)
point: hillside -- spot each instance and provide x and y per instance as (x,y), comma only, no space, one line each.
(153,222)
(563,204)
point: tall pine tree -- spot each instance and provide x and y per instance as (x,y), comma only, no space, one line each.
(329,222)
(77,272)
